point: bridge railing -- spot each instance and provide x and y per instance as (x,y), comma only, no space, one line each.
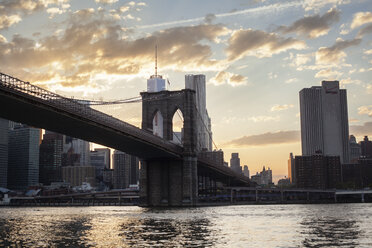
(80,110)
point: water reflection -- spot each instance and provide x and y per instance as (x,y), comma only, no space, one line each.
(167,232)
(230,226)
(42,231)
(330,231)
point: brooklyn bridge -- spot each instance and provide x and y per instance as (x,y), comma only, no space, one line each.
(171,173)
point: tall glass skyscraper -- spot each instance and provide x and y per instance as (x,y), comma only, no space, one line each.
(324,120)
(23,165)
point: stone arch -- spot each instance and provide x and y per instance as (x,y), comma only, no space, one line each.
(167,102)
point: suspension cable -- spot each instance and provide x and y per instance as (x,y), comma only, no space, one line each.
(200,116)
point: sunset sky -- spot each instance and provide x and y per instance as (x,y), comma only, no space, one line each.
(256,54)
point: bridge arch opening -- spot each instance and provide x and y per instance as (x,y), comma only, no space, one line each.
(157,124)
(177,126)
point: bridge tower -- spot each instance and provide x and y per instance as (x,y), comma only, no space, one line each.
(165,182)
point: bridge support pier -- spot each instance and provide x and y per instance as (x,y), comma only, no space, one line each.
(169,183)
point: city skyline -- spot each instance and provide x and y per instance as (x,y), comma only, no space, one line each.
(254,107)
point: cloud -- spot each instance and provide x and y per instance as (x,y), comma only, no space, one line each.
(269,138)
(92,44)
(360,19)
(328,74)
(272,75)
(349,81)
(257,11)
(12,11)
(291,80)
(264,118)
(224,77)
(106,1)
(334,54)
(361,130)
(316,5)
(365,30)
(365,110)
(278,107)
(299,60)
(7,21)
(258,43)
(313,26)
(369,86)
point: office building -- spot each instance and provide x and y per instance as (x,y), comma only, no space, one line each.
(108,177)
(77,175)
(246,171)
(284,182)
(23,163)
(235,163)
(324,121)
(264,178)
(197,83)
(291,169)
(50,158)
(355,149)
(4,129)
(366,147)
(76,152)
(100,159)
(317,171)
(357,175)
(215,156)
(126,170)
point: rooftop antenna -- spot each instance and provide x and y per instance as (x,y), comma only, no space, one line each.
(156,60)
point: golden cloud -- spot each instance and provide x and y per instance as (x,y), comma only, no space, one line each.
(328,74)
(360,19)
(92,44)
(278,107)
(11,11)
(361,130)
(224,77)
(334,54)
(313,26)
(269,138)
(259,43)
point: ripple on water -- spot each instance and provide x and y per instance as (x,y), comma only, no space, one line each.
(343,225)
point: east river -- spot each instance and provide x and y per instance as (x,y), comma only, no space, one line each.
(334,225)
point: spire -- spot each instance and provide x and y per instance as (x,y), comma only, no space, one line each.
(156,60)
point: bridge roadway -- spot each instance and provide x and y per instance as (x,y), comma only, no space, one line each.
(26,103)
(32,105)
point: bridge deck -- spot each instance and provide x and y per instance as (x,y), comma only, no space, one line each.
(32,105)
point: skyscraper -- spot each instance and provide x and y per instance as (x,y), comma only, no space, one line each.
(324,120)
(50,159)
(126,169)
(235,163)
(76,152)
(197,83)
(291,169)
(355,149)
(23,168)
(4,129)
(366,147)
(246,171)
(100,159)
(317,171)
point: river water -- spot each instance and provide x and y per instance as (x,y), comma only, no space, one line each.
(334,225)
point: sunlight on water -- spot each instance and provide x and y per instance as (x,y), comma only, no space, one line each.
(343,225)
